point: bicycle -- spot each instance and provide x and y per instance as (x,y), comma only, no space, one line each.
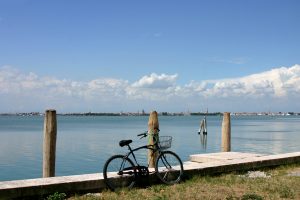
(120,171)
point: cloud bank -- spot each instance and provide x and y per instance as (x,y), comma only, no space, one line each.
(277,89)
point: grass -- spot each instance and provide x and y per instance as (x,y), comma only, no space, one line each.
(234,186)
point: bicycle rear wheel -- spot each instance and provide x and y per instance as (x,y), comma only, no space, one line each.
(119,172)
(169,168)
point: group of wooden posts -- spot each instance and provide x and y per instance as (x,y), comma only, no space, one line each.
(50,133)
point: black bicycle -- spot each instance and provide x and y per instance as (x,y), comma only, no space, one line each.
(120,171)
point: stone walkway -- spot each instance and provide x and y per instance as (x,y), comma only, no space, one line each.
(199,164)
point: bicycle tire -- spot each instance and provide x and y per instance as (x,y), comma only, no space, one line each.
(169,167)
(119,172)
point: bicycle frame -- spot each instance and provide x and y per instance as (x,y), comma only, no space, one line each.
(128,167)
(131,152)
(154,149)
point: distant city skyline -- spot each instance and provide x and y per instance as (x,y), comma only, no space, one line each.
(169,56)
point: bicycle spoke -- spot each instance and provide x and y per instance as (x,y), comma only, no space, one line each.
(165,176)
(169,167)
(119,172)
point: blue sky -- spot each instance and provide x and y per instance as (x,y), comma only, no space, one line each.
(164,48)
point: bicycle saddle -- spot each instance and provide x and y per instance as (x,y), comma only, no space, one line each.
(122,143)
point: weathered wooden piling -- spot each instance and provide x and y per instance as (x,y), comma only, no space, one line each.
(153,128)
(49,146)
(226,133)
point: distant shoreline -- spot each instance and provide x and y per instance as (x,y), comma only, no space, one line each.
(160,114)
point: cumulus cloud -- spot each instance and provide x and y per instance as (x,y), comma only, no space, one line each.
(153,87)
(46,92)
(23,89)
(156,81)
(279,82)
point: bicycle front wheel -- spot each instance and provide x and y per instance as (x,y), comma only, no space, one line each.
(119,172)
(169,168)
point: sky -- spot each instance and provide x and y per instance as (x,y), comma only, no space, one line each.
(169,56)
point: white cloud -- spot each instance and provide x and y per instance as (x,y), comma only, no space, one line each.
(277,83)
(156,81)
(20,90)
(153,87)
(105,89)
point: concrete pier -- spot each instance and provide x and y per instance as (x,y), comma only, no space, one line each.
(199,164)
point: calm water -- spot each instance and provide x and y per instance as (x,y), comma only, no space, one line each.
(84,143)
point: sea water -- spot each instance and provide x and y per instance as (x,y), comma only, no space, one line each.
(84,143)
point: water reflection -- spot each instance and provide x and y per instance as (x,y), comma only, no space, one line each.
(203,140)
(85,143)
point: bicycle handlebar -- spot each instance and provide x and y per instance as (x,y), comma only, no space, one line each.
(143,134)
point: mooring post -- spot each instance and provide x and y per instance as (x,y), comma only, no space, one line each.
(153,128)
(226,132)
(49,146)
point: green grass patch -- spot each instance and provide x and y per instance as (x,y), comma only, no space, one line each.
(56,196)
(234,186)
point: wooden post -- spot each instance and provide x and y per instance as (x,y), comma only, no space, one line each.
(226,133)
(153,127)
(49,147)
